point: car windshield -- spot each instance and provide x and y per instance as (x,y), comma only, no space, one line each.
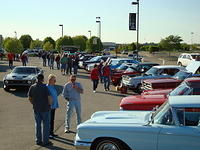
(182,89)
(24,70)
(95,58)
(153,71)
(130,69)
(181,75)
(122,67)
(114,62)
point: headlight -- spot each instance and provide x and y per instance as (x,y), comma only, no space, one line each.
(6,81)
(29,82)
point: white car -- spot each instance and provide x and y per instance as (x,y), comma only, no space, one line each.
(175,125)
(186,58)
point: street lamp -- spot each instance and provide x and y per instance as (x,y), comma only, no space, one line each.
(15,34)
(62,28)
(99,22)
(90,33)
(191,40)
(137,45)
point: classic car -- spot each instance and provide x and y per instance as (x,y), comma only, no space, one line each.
(192,71)
(135,83)
(84,58)
(175,125)
(134,69)
(21,76)
(186,58)
(149,100)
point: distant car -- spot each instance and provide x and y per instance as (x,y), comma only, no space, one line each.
(84,58)
(149,100)
(192,70)
(186,58)
(135,83)
(125,52)
(21,76)
(134,69)
(175,125)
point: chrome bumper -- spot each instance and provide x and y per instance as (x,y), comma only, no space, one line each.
(82,145)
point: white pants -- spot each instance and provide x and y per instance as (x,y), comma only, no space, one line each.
(70,107)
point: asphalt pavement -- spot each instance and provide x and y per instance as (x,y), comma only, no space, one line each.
(16,113)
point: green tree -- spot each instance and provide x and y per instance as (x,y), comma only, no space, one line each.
(132,47)
(64,41)
(6,40)
(36,44)
(13,45)
(171,43)
(26,41)
(153,48)
(94,44)
(80,41)
(49,39)
(185,47)
(48,46)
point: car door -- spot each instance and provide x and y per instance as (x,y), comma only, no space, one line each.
(185,136)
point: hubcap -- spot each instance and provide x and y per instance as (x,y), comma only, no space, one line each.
(108,146)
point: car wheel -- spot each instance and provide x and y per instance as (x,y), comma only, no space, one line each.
(108,144)
(139,89)
(7,89)
(180,64)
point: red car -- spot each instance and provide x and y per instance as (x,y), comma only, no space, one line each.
(146,101)
(172,82)
(134,69)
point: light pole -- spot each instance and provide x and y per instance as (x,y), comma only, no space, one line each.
(99,22)
(90,33)
(137,45)
(62,28)
(191,40)
(15,34)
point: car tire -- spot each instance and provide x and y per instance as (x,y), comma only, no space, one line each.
(109,144)
(7,89)
(139,89)
(180,64)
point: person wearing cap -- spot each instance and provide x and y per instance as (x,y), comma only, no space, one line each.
(71,92)
(39,97)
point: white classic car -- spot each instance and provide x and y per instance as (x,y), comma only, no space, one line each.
(175,125)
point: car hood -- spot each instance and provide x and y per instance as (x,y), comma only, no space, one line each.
(119,117)
(157,91)
(165,80)
(12,76)
(144,99)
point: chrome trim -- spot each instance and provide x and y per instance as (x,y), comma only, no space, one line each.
(82,145)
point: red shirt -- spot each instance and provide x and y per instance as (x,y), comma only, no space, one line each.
(10,56)
(106,71)
(94,75)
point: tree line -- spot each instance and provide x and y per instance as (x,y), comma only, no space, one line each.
(25,42)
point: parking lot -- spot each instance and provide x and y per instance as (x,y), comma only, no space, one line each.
(16,114)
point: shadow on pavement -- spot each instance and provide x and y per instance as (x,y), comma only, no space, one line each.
(64,141)
(1,84)
(21,92)
(54,148)
(4,68)
(111,93)
(83,76)
(83,71)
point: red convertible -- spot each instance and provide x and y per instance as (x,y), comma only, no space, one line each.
(146,101)
(134,69)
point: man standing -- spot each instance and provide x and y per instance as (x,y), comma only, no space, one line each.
(10,59)
(106,76)
(39,97)
(71,92)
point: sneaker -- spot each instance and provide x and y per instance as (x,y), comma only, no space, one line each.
(67,130)
(94,91)
(105,89)
(51,136)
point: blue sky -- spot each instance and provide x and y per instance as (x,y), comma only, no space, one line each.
(158,19)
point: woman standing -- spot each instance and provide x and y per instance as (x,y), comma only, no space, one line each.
(94,75)
(54,106)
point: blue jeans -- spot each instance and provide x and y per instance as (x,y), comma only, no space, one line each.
(70,106)
(106,83)
(42,134)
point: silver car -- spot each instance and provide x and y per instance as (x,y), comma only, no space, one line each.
(21,76)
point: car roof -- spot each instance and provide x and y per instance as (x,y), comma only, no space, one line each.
(186,101)
(26,67)
(169,66)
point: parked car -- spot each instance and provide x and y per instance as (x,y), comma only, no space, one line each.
(21,76)
(175,125)
(186,58)
(97,59)
(135,83)
(134,69)
(125,52)
(84,58)
(192,70)
(149,100)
